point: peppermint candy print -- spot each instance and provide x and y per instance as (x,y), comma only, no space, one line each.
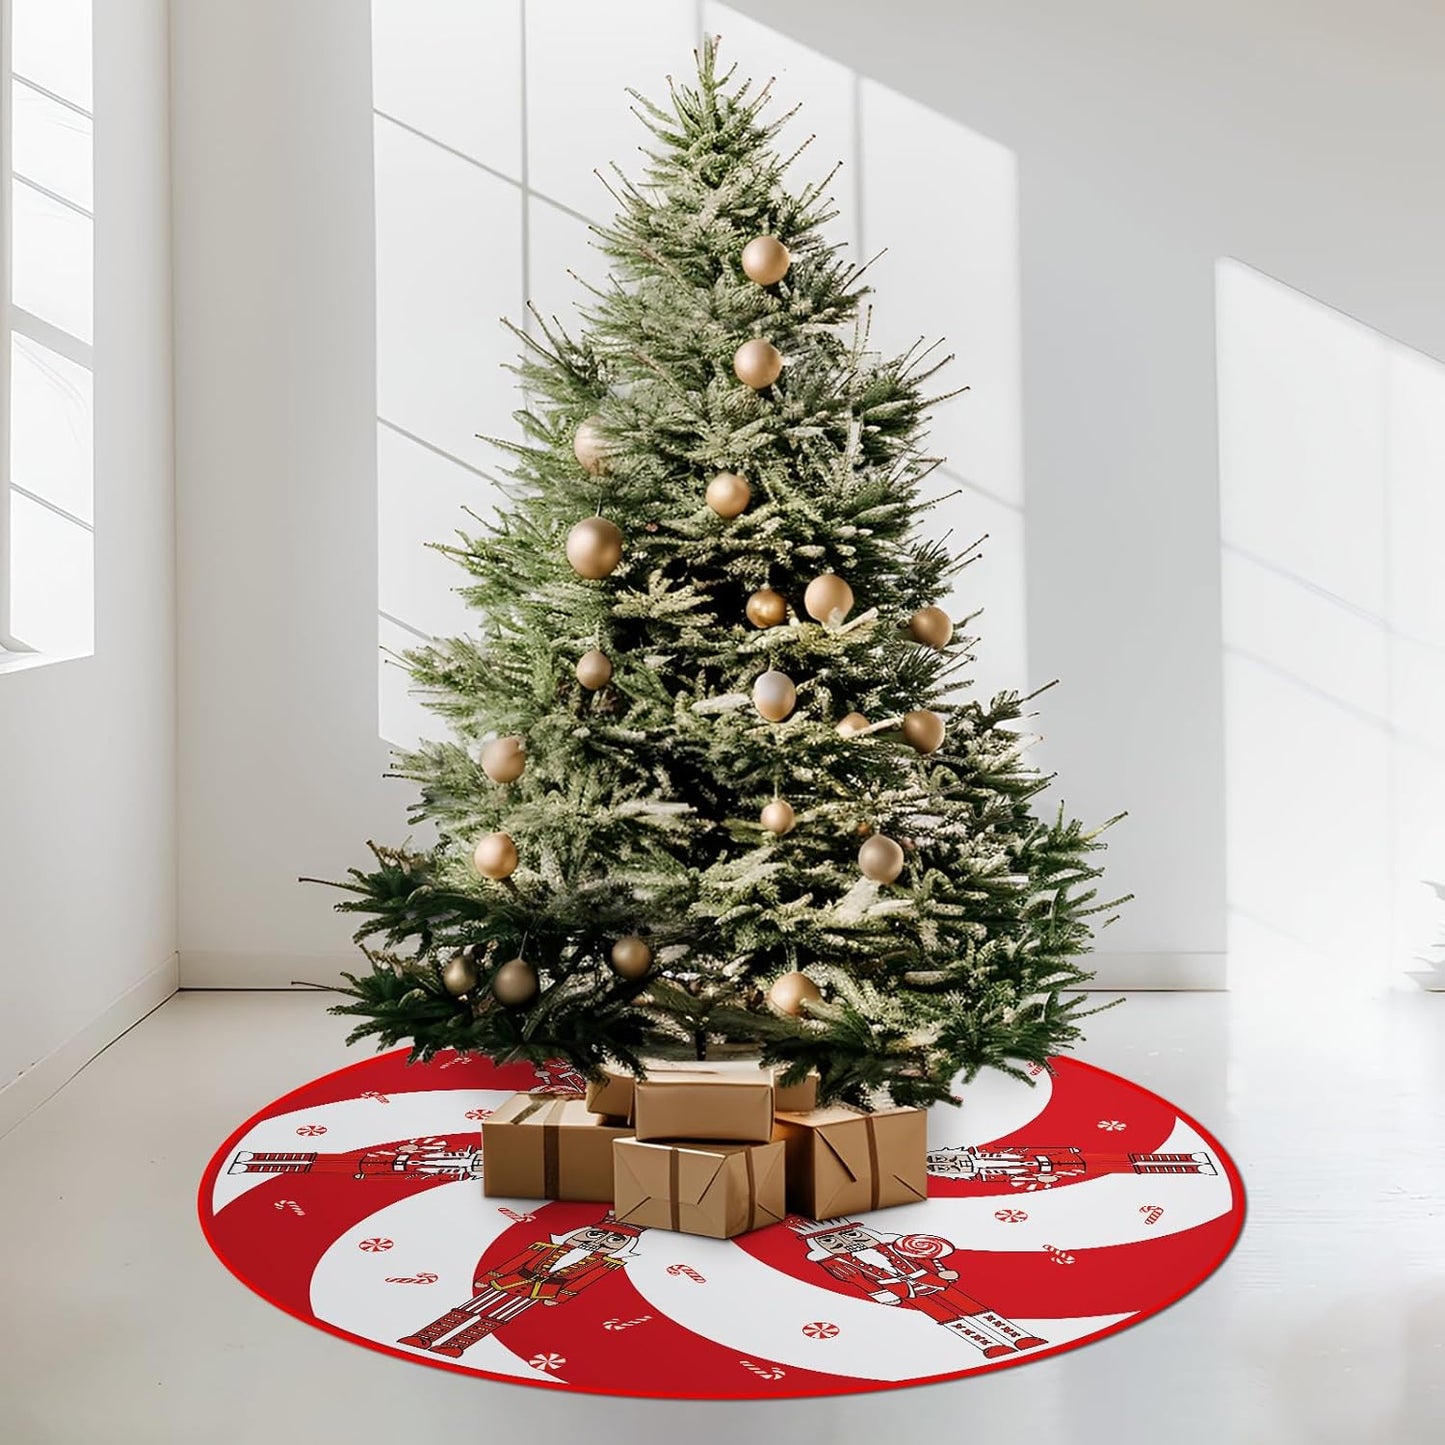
(303,1200)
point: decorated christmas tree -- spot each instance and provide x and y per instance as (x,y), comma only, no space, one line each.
(715,784)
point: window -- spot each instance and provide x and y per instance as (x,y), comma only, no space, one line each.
(46,287)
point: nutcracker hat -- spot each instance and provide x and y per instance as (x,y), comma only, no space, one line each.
(631,1232)
(812,1229)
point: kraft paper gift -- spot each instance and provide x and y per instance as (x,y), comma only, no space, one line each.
(844,1161)
(734,1108)
(719,1190)
(612,1095)
(539,1146)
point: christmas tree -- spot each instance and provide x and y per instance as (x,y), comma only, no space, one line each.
(711,789)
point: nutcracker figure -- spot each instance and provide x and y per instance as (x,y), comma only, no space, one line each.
(430,1158)
(548,1272)
(1030,1166)
(557,1076)
(908,1271)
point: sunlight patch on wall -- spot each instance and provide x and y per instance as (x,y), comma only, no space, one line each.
(1332,459)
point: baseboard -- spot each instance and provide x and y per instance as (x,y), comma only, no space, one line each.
(212,968)
(25,1094)
(1142,972)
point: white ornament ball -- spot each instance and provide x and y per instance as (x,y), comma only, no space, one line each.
(880,859)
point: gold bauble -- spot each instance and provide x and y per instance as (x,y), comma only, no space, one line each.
(504,759)
(515,983)
(774,695)
(853,724)
(767,608)
(792,991)
(496,856)
(459,974)
(828,598)
(758,363)
(923,730)
(880,859)
(728,494)
(594,669)
(631,957)
(931,626)
(778,817)
(766,260)
(589,445)
(594,547)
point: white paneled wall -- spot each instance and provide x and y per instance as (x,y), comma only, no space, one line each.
(461,238)
(1332,454)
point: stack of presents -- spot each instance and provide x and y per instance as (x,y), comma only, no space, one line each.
(711,1149)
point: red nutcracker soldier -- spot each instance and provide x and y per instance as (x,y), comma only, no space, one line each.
(548,1272)
(429,1158)
(1031,1166)
(557,1076)
(907,1270)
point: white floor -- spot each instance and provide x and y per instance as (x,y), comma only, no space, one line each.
(1326,1326)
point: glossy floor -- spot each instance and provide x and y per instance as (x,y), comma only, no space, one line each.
(1326,1325)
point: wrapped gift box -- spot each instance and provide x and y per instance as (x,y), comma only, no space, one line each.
(843,1161)
(539,1146)
(612,1095)
(734,1108)
(715,1189)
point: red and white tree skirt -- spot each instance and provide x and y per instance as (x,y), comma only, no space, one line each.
(355,1204)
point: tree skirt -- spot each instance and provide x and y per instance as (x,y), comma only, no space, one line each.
(1056,1214)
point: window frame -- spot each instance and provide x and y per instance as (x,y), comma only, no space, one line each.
(17,321)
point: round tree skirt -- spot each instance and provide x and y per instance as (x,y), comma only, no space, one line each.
(1057,1213)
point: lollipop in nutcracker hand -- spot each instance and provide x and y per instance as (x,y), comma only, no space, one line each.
(907,1270)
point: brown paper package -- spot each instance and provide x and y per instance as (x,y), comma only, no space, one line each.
(715,1189)
(733,1108)
(537,1146)
(841,1161)
(612,1096)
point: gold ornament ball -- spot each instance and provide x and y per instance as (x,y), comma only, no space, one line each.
(631,957)
(594,669)
(774,695)
(880,859)
(589,445)
(792,991)
(778,817)
(766,608)
(766,260)
(728,494)
(923,730)
(853,724)
(594,547)
(515,983)
(496,856)
(931,626)
(459,974)
(505,759)
(758,363)
(828,598)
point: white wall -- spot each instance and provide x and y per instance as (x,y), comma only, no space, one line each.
(1150,142)
(1147,144)
(280,764)
(87,780)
